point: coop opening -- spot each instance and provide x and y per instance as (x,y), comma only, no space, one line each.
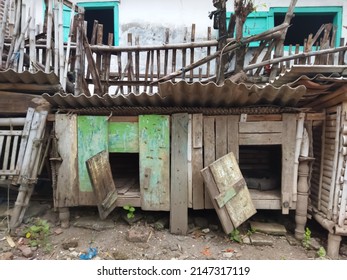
(302,25)
(125,172)
(261,166)
(104,16)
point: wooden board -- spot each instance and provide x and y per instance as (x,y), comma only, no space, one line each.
(154,148)
(288,159)
(92,135)
(104,189)
(123,137)
(260,127)
(66,194)
(221,136)
(232,190)
(15,103)
(197,162)
(179,174)
(260,139)
(209,151)
(233,135)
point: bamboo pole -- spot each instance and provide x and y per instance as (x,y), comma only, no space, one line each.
(192,39)
(67,55)
(166,52)
(61,43)
(21,48)
(56,37)
(11,19)
(12,55)
(3,29)
(32,41)
(49,37)
(79,46)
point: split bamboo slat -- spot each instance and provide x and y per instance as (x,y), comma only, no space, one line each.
(29,167)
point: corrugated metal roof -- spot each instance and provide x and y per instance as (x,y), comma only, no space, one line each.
(310,71)
(190,95)
(26,77)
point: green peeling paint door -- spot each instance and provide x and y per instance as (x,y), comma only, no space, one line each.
(154,148)
(92,139)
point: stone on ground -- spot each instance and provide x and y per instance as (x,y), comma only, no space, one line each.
(268,228)
(259,239)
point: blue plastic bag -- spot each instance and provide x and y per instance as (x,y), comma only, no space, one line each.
(91,253)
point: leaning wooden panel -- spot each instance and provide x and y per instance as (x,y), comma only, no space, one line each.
(233,193)
(179,174)
(66,194)
(154,148)
(100,174)
(222,213)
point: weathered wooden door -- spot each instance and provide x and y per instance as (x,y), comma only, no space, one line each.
(229,192)
(92,138)
(154,149)
(99,170)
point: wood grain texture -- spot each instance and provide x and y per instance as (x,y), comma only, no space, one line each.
(179,174)
(154,148)
(67,191)
(99,171)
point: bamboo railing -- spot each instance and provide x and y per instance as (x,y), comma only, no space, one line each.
(88,66)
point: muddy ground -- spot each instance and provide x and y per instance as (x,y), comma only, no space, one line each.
(146,236)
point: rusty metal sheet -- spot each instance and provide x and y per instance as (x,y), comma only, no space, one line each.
(99,170)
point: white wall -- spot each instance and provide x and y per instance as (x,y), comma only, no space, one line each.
(149,19)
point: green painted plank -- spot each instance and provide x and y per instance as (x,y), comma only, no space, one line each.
(154,148)
(92,138)
(123,137)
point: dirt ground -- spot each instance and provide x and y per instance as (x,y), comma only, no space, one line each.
(146,236)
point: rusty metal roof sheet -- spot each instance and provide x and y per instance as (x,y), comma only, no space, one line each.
(189,95)
(296,72)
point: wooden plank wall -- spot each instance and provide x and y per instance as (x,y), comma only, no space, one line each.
(318,130)
(179,174)
(330,158)
(215,136)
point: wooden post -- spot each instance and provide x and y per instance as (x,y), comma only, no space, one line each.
(302,200)
(333,245)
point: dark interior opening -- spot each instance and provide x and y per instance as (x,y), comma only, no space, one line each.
(302,25)
(261,166)
(103,16)
(125,171)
